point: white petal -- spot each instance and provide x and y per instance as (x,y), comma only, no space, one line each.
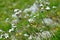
(47,8)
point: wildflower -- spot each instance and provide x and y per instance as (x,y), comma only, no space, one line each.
(18,13)
(12,29)
(41,30)
(1,30)
(1,36)
(13,25)
(47,8)
(26,15)
(7,19)
(47,3)
(30,37)
(14,16)
(26,35)
(54,7)
(6,35)
(31,20)
(16,10)
(42,9)
(41,5)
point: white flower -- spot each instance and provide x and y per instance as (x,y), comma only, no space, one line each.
(34,16)
(16,10)
(42,8)
(31,20)
(41,5)
(14,16)
(7,19)
(47,21)
(47,8)
(1,30)
(6,35)
(30,37)
(41,30)
(45,34)
(19,12)
(1,36)
(12,29)
(47,3)
(13,26)
(26,15)
(54,7)
(26,35)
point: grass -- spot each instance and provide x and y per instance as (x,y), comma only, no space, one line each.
(7,9)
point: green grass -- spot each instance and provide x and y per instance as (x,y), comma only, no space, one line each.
(7,9)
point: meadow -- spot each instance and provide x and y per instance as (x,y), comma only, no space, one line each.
(29,19)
